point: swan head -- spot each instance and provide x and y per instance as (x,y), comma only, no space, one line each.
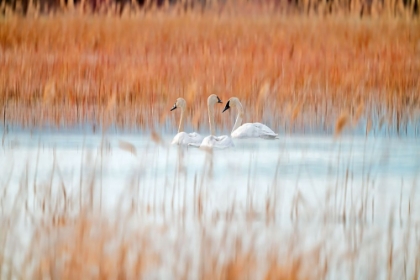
(233,102)
(181,103)
(213,99)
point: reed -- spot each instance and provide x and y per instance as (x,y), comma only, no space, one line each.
(66,70)
(340,124)
(68,234)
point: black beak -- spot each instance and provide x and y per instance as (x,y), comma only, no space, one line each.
(227,107)
(173,108)
(218,100)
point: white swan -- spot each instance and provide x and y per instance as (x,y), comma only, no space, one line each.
(247,130)
(183,138)
(211,141)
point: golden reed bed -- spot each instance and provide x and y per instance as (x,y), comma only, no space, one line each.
(295,73)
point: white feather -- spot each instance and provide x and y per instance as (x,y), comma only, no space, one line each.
(211,141)
(219,142)
(253,130)
(183,138)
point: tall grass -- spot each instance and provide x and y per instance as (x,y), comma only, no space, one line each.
(55,229)
(294,73)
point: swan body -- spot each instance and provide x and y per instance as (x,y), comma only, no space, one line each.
(253,130)
(183,138)
(219,142)
(211,141)
(247,130)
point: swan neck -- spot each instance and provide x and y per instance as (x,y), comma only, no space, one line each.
(181,120)
(239,117)
(211,118)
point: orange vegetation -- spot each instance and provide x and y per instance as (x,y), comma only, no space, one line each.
(294,73)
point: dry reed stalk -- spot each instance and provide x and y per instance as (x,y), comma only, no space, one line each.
(127,146)
(295,113)
(340,124)
(156,137)
(368,126)
(359,111)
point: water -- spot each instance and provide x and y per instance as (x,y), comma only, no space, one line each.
(314,184)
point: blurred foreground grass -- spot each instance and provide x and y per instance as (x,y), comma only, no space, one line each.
(53,229)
